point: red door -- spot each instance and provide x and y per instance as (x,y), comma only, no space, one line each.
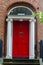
(20,47)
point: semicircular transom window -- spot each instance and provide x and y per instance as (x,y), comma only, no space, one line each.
(20,11)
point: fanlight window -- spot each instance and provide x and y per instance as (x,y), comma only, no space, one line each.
(20,11)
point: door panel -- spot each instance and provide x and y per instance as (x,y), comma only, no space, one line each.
(20,46)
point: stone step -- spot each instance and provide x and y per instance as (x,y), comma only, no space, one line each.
(26,61)
(21,63)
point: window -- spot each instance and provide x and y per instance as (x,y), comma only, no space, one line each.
(20,11)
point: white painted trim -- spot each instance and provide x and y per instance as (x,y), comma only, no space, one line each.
(21,17)
(9,39)
(12,34)
(32,40)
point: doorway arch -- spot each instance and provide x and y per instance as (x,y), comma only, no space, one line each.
(21,13)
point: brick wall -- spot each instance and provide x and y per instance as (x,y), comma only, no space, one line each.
(5,4)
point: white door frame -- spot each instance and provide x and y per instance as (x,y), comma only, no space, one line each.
(32,21)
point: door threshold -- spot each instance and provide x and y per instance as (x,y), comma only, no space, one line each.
(19,58)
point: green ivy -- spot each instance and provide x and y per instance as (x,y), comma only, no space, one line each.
(38,14)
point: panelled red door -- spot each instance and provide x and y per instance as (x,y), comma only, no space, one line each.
(20,47)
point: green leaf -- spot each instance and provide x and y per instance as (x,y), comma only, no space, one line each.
(33,13)
(40,15)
